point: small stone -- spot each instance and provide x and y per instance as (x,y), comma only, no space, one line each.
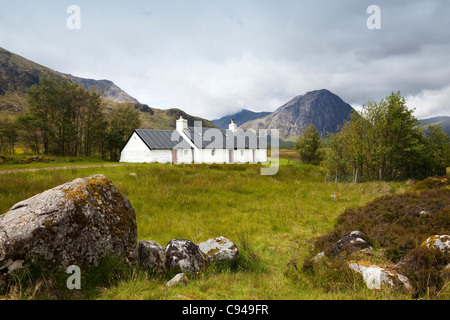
(179,278)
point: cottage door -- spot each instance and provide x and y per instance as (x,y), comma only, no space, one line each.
(174,156)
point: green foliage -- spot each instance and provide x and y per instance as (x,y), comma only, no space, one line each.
(65,117)
(124,119)
(385,142)
(438,145)
(8,134)
(308,145)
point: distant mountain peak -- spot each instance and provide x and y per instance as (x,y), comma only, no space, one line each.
(327,111)
(241,117)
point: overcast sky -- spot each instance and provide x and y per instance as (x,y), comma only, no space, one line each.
(211,58)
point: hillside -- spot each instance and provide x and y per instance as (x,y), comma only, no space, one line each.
(322,108)
(18,74)
(240,118)
(443,121)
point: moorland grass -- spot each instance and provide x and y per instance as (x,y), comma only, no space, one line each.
(272,219)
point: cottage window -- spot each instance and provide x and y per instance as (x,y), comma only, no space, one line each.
(213,152)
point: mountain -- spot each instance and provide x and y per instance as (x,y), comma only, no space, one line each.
(322,108)
(240,118)
(110,90)
(443,121)
(18,74)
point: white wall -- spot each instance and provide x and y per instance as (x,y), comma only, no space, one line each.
(261,156)
(136,151)
(210,156)
(185,156)
(238,156)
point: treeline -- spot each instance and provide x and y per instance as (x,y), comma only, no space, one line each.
(384,141)
(65,119)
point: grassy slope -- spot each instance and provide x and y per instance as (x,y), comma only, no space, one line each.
(272,219)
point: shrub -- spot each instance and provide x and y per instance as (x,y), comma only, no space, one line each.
(431,183)
(396,223)
(424,267)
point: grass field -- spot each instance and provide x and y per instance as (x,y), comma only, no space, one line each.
(272,219)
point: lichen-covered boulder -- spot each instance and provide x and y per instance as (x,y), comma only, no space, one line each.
(184,256)
(76,223)
(350,243)
(152,256)
(376,277)
(219,249)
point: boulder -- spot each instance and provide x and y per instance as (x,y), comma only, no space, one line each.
(376,277)
(350,243)
(152,256)
(184,256)
(219,249)
(76,223)
(353,242)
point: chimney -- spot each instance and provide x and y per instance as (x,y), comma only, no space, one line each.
(182,124)
(233,126)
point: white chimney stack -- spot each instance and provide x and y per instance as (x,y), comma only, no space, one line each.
(233,126)
(182,124)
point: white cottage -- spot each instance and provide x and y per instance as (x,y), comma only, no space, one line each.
(194,145)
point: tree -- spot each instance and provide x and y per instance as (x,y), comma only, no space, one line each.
(438,144)
(29,133)
(384,142)
(69,118)
(308,145)
(9,133)
(124,119)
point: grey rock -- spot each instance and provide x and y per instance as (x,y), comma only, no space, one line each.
(441,242)
(184,256)
(178,279)
(350,243)
(152,256)
(219,249)
(76,223)
(376,277)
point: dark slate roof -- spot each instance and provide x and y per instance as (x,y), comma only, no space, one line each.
(203,138)
(162,139)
